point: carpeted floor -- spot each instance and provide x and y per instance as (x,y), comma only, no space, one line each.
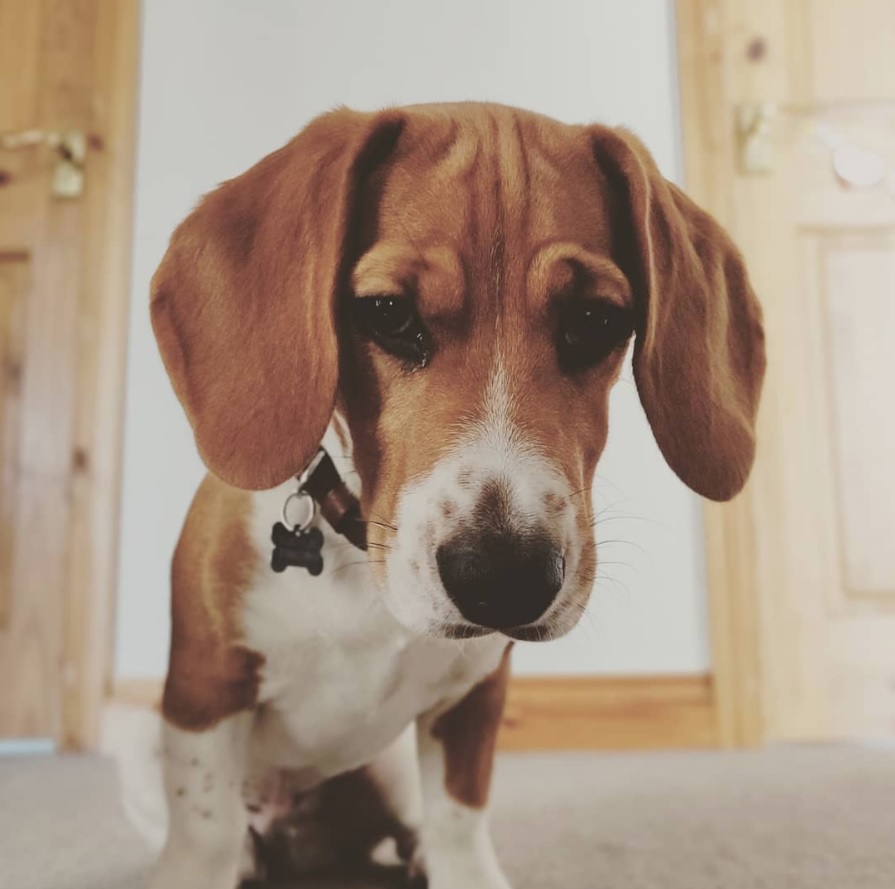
(795,818)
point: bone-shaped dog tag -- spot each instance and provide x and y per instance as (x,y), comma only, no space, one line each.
(297,549)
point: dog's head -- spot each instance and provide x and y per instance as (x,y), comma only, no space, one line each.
(459,284)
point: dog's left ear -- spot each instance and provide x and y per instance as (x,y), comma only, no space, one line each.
(244,302)
(699,356)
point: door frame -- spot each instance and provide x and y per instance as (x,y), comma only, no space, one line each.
(709,148)
(733,52)
(108,198)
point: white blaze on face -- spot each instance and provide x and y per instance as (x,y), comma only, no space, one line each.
(493,450)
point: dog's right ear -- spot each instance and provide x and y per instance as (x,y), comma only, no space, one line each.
(244,302)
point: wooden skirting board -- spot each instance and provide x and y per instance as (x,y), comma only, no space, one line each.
(609,713)
(574,712)
(136,693)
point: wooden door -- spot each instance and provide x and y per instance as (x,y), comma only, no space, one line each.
(789,114)
(64,65)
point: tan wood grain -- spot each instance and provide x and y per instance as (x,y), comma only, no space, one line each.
(795,649)
(63,63)
(146,693)
(97,422)
(609,713)
(13,293)
(704,35)
(851,48)
(861,362)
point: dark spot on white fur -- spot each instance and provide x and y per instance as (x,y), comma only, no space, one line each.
(553,503)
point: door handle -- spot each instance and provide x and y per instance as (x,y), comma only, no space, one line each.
(70,147)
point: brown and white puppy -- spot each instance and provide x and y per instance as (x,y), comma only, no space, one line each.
(447,292)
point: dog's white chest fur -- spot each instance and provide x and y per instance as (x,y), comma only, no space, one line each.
(342,678)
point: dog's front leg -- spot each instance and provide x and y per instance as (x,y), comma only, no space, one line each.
(456,749)
(207,825)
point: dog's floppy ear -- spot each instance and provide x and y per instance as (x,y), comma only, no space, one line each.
(244,302)
(699,357)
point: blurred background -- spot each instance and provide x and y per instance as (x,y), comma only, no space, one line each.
(769,619)
(766,625)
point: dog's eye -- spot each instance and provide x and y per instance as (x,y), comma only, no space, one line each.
(393,324)
(589,331)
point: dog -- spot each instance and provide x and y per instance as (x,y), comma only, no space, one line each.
(443,296)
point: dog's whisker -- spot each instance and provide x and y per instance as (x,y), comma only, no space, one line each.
(609,507)
(602,480)
(382,522)
(376,524)
(627,565)
(620,541)
(613,580)
(592,516)
(350,565)
(584,613)
(634,518)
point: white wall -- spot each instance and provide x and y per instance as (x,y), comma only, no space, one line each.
(226,81)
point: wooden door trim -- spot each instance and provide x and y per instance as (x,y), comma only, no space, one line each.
(609,713)
(98,433)
(707,105)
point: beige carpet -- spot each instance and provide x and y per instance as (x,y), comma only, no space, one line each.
(799,818)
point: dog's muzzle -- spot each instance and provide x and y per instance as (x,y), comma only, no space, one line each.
(501,580)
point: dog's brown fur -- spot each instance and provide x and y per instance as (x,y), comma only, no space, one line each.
(211,675)
(468,734)
(487,217)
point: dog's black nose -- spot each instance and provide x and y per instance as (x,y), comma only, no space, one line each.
(500,580)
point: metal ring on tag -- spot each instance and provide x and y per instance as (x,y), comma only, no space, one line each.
(310,508)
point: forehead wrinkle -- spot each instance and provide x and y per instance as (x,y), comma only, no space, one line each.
(461,158)
(513,207)
(435,195)
(441,283)
(554,270)
(386,268)
(517,191)
(433,276)
(510,187)
(497,246)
